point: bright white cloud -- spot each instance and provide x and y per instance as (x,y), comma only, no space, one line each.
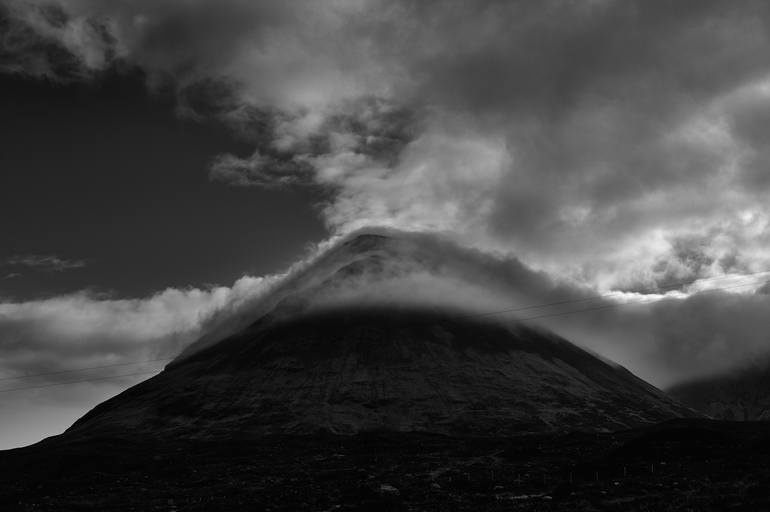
(81,330)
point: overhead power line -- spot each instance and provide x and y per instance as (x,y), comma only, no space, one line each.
(603,306)
(60,372)
(668,286)
(634,303)
(112,377)
(485,314)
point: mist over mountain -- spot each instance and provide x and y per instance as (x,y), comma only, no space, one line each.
(386,267)
(384,255)
(365,338)
(664,335)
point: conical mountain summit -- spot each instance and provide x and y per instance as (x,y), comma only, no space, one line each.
(321,354)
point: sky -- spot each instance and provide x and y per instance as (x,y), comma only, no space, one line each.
(163,161)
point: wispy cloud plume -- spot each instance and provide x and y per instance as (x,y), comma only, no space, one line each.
(47,263)
(81,330)
(55,335)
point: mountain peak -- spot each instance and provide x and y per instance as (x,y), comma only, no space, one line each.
(378,333)
(386,267)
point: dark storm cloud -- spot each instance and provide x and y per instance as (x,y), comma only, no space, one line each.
(616,114)
(621,144)
(615,125)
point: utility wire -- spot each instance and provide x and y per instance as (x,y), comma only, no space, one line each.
(491,313)
(633,303)
(77,381)
(84,369)
(669,286)
(487,313)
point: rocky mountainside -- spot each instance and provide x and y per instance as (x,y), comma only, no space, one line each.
(350,371)
(310,362)
(742,395)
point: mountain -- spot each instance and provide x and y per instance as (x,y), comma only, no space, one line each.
(391,267)
(740,395)
(339,348)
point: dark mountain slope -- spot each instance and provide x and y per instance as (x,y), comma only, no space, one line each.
(384,369)
(334,349)
(435,398)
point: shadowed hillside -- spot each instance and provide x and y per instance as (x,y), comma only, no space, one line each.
(741,395)
(384,369)
(314,402)
(332,349)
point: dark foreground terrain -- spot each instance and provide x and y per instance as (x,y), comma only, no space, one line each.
(679,465)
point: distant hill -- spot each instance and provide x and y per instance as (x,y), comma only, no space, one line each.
(741,395)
